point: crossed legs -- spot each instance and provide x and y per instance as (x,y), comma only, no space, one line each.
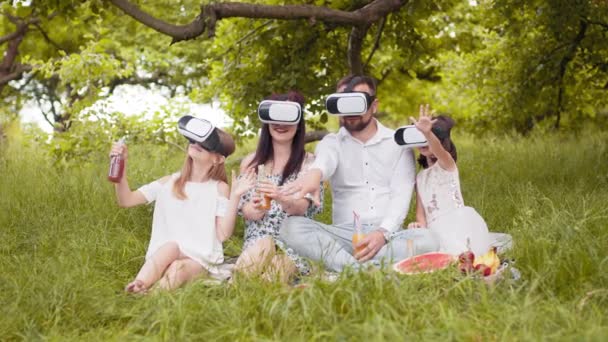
(168,266)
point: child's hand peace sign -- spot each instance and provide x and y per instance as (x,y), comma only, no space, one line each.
(424,122)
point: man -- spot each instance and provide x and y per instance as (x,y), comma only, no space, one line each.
(370,175)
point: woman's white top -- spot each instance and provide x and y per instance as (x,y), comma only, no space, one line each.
(456,226)
(190,223)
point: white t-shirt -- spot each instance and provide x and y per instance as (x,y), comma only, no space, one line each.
(190,223)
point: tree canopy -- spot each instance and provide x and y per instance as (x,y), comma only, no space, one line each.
(501,64)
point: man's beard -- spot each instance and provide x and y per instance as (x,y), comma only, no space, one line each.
(357,125)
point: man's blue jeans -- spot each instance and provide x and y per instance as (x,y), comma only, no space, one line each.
(333,244)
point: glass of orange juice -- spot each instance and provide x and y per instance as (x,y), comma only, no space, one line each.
(265,198)
(358,235)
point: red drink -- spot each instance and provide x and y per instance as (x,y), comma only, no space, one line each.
(117,166)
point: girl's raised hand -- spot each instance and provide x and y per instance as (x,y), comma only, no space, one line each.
(424,123)
(243,183)
(119,148)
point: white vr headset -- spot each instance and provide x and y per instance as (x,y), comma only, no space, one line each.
(201,132)
(410,136)
(280,112)
(353,103)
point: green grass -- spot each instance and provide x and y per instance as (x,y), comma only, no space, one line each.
(67,250)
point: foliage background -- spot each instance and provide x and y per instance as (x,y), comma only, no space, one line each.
(499,65)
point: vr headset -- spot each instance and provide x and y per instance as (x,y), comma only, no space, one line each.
(280,112)
(409,136)
(201,132)
(353,103)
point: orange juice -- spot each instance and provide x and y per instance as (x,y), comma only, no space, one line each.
(265,205)
(357,237)
(265,202)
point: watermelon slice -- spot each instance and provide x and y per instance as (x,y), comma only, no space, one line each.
(424,263)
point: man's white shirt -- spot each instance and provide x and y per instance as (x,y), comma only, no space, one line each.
(375,179)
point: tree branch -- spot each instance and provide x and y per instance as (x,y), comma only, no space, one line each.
(177,32)
(376,42)
(9,37)
(360,19)
(10,71)
(47,38)
(355,45)
(563,66)
(593,22)
(38,96)
(154,79)
(13,48)
(314,136)
(15,74)
(246,36)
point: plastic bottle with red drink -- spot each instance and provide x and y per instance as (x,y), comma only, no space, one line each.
(117,165)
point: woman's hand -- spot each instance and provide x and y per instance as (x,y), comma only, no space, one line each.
(269,188)
(424,123)
(252,210)
(242,184)
(275,192)
(286,200)
(119,148)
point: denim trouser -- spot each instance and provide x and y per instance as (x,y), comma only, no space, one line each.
(333,244)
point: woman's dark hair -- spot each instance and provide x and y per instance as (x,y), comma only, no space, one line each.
(265,151)
(441,129)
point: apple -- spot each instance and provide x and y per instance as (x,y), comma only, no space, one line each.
(466,257)
(483,269)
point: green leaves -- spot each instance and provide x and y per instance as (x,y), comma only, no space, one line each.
(500,64)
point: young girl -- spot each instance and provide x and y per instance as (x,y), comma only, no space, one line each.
(194,213)
(439,204)
(281,150)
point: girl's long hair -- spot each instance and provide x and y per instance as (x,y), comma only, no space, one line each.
(217,172)
(265,151)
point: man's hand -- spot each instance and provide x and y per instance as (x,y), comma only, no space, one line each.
(369,246)
(306,183)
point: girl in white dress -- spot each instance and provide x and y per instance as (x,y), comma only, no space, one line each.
(439,203)
(193,214)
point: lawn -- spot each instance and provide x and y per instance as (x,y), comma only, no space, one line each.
(67,250)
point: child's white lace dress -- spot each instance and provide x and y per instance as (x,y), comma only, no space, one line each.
(447,216)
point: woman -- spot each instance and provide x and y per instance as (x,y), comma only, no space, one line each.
(281,151)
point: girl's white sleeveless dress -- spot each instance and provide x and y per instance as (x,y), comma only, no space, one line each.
(190,223)
(447,216)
